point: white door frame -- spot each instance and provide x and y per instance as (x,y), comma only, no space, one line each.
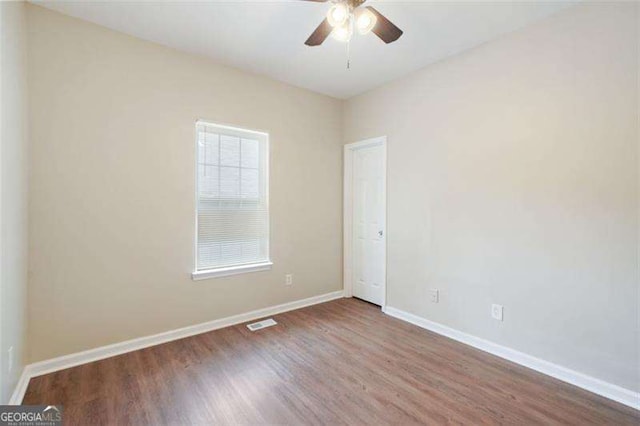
(349,150)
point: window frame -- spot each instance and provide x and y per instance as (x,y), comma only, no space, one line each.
(224,271)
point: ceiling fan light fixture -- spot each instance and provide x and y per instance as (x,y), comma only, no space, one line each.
(346,16)
(365,20)
(338,14)
(343,32)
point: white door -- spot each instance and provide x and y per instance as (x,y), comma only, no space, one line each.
(368,223)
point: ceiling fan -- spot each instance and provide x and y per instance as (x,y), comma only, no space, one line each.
(346,15)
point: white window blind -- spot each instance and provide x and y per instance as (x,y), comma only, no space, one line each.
(232,197)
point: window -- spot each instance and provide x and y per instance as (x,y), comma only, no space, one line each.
(232,233)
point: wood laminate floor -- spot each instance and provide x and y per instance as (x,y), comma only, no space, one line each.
(341,362)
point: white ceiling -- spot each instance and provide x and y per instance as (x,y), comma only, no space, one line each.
(267,36)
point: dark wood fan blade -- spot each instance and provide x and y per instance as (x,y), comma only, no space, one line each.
(320,34)
(385,29)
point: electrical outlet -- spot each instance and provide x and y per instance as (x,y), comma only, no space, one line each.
(435,296)
(288,279)
(497,311)
(10,360)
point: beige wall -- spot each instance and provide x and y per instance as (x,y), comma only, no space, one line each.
(13,196)
(112,194)
(513,179)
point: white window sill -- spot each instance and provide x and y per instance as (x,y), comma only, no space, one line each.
(232,270)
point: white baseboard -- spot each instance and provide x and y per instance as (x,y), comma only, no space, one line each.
(72,360)
(597,386)
(21,388)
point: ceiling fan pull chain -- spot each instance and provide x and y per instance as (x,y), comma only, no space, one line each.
(348,55)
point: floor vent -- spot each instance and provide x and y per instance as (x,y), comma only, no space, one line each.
(261,324)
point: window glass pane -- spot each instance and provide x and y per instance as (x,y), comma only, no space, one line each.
(209,253)
(201,146)
(230,252)
(250,183)
(229,151)
(208,180)
(250,153)
(229,182)
(211,149)
(250,249)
